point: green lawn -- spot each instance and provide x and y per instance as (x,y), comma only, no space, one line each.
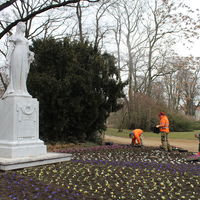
(174,135)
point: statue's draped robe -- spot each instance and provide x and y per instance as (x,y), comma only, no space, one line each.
(19,67)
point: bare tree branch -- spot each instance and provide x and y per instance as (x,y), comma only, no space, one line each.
(36,12)
(2,53)
(7,4)
(2,80)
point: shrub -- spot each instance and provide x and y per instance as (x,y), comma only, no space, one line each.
(196,125)
(77,87)
(180,123)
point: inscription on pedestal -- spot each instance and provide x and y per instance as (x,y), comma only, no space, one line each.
(27,121)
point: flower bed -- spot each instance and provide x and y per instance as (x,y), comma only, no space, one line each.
(107,172)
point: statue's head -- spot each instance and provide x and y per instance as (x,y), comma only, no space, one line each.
(21,27)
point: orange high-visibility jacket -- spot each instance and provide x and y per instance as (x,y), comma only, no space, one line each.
(164,124)
(138,132)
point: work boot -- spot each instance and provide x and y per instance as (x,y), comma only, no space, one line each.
(164,146)
(169,148)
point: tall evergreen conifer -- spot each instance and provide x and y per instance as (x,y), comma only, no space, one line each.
(77,87)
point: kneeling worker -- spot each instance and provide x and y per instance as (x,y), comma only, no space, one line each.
(136,135)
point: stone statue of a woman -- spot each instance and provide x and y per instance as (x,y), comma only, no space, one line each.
(18,60)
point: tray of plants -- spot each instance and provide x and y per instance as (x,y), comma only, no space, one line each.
(155,129)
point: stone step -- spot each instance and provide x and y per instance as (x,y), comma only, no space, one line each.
(18,163)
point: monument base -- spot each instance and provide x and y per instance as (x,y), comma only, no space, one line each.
(19,149)
(20,145)
(19,128)
(18,163)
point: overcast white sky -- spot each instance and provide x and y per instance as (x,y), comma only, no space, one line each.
(195,49)
(184,50)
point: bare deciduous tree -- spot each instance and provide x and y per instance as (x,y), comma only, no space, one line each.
(41,7)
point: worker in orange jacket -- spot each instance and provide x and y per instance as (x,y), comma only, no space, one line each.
(136,136)
(164,130)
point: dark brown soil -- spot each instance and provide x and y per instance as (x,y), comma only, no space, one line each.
(107,172)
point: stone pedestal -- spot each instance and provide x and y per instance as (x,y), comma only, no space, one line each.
(19,128)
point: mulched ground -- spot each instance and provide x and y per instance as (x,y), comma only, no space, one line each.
(107,172)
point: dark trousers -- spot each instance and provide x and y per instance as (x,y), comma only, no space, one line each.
(164,141)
